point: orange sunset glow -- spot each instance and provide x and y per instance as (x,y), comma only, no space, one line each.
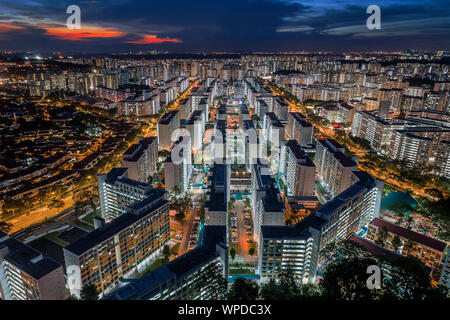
(4,27)
(151,38)
(85,33)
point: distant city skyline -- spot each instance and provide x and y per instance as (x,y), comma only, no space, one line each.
(217,26)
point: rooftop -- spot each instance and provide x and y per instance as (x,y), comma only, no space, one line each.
(167,117)
(375,249)
(26,258)
(415,236)
(122,222)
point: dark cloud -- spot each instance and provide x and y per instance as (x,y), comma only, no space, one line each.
(233,25)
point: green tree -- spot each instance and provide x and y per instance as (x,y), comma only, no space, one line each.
(179,216)
(410,280)
(58,204)
(232,253)
(89,292)
(396,242)
(345,279)
(215,283)
(166,253)
(244,290)
(310,290)
(271,291)
(382,236)
(252,251)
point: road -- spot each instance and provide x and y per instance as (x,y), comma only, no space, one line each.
(238,208)
(26,220)
(187,229)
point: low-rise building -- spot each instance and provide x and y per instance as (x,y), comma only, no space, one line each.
(430,251)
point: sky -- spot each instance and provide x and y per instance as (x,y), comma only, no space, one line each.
(223,26)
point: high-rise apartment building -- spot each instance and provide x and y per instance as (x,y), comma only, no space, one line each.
(300,171)
(178,165)
(377,131)
(267,207)
(166,126)
(442,160)
(280,108)
(216,205)
(117,192)
(413,149)
(299,129)
(120,248)
(445,275)
(25,274)
(334,168)
(192,276)
(141,158)
(299,247)
(196,127)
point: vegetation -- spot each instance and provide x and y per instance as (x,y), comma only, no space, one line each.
(422,178)
(286,288)
(181,206)
(243,290)
(213,279)
(89,292)
(438,211)
(232,253)
(363,143)
(166,253)
(156,264)
(346,278)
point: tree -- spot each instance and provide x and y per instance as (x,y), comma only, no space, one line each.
(214,282)
(382,236)
(287,288)
(410,280)
(86,198)
(166,253)
(289,285)
(310,290)
(271,291)
(243,289)
(251,251)
(345,279)
(5,226)
(89,292)
(401,208)
(396,242)
(180,216)
(232,253)
(58,204)
(329,249)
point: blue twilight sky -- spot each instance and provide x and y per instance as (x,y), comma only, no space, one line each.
(227,25)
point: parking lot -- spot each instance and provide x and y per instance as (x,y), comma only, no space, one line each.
(241,228)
